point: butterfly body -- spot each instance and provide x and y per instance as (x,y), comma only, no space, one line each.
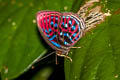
(60,30)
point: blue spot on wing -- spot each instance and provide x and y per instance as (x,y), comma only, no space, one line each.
(65,34)
(70,22)
(54,43)
(70,39)
(66,43)
(51,17)
(73,27)
(66,25)
(46,31)
(52,37)
(47,35)
(50,30)
(56,18)
(63,16)
(51,23)
(55,25)
(61,33)
(67,16)
(74,34)
(79,28)
(62,23)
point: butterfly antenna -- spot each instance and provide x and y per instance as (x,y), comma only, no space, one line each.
(46,56)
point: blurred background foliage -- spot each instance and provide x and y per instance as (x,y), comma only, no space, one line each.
(21,44)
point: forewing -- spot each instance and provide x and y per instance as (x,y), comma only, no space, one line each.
(48,23)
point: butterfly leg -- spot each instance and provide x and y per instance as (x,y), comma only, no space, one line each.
(75,47)
(62,55)
(68,57)
(56,60)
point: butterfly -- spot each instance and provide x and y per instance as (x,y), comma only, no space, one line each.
(60,30)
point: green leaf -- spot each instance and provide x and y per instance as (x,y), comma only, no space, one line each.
(99,55)
(20,42)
